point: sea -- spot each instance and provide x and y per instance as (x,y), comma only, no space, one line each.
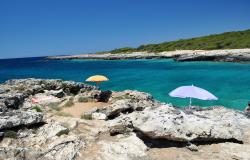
(230,82)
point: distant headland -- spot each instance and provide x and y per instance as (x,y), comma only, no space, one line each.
(228,46)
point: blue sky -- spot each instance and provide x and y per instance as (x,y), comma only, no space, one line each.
(54,27)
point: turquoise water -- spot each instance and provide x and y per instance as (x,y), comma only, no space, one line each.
(228,81)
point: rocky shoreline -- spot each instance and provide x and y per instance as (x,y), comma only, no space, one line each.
(229,55)
(133,125)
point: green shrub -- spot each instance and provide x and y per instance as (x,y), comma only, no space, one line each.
(83,99)
(20,88)
(63,114)
(227,40)
(66,131)
(37,108)
(69,103)
(54,106)
(86,116)
(10,134)
(125,96)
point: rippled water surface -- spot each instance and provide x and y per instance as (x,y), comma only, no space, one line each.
(230,82)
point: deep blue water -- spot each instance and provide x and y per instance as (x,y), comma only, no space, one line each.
(230,82)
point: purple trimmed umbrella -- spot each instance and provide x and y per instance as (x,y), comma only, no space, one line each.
(192,92)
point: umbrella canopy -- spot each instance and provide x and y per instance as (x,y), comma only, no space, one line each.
(97,78)
(192,92)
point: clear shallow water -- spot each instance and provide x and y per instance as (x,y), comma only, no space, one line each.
(230,82)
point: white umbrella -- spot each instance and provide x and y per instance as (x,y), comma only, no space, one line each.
(192,92)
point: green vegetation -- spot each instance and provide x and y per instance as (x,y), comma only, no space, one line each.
(123,50)
(63,114)
(125,96)
(66,131)
(70,102)
(20,88)
(83,99)
(10,134)
(86,116)
(37,108)
(54,106)
(227,40)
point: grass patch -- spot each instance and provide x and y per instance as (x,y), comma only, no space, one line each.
(83,99)
(86,116)
(10,134)
(66,131)
(54,106)
(37,108)
(63,114)
(125,96)
(20,88)
(69,103)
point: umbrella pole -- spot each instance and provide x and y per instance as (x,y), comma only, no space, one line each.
(190,102)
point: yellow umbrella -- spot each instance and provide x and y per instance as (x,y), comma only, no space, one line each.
(97,79)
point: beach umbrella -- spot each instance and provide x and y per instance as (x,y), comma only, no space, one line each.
(192,92)
(97,79)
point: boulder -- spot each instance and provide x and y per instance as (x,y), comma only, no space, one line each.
(19,118)
(172,124)
(63,148)
(55,93)
(128,147)
(14,100)
(98,116)
(247,110)
(128,101)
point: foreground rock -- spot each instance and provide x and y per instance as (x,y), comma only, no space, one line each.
(14,91)
(168,123)
(131,125)
(228,55)
(128,101)
(19,118)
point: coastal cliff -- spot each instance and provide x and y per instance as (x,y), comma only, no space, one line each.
(130,125)
(227,55)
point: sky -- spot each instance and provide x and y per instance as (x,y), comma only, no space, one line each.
(30,28)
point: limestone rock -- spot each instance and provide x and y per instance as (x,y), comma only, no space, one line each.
(18,118)
(128,148)
(55,93)
(128,101)
(162,122)
(63,148)
(165,122)
(99,116)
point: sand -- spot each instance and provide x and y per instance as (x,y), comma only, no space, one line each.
(78,109)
